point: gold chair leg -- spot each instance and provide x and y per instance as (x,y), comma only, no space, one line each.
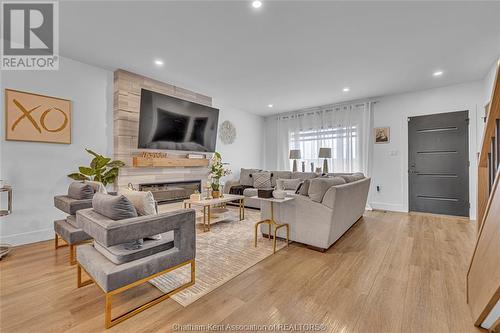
(79,281)
(72,255)
(56,242)
(274,240)
(109,321)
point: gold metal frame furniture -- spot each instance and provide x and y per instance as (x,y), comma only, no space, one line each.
(72,247)
(109,321)
(272,222)
(208,203)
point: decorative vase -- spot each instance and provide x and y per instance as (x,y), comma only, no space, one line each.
(303,166)
(215,194)
(279,194)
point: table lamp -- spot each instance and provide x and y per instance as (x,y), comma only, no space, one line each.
(294,155)
(325,153)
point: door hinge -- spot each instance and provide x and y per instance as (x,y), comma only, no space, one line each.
(467,120)
(408,119)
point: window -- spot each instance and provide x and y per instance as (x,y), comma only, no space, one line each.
(343,141)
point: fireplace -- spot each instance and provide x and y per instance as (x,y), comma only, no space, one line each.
(167,192)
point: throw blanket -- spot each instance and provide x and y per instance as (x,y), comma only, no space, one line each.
(238,190)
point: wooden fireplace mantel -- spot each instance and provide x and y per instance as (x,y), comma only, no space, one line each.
(167,162)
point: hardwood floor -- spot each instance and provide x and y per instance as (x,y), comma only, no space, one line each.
(391,272)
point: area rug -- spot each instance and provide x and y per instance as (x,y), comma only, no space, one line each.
(222,253)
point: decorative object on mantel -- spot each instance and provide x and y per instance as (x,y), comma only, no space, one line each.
(294,155)
(102,169)
(227,132)
(312,166)
(37,118)
(217,171)
(196,156)
(382,134)
(325,153)
(6,248)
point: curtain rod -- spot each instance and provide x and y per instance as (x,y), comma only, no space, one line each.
(326,106)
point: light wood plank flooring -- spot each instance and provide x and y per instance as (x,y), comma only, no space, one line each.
(391,272)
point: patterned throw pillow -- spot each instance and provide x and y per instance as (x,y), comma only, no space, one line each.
(262,179)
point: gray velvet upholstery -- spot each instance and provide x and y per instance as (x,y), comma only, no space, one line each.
(245,178)
(71,206)
(289,184)
(71,219)
(109,232)
(319,186)
(119,254)
(113,207)
(70,233)
(304,189)
(80,191)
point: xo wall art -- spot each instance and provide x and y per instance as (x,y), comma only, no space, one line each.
(39,118)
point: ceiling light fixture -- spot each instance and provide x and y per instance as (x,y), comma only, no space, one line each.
(159,62)
(438,73)
(256,4)
(270,105)
(346,89)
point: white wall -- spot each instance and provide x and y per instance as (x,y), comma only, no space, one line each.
(247,149)
(37,171)
(390,161)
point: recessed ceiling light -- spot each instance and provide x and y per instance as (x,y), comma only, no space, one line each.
(159,62)
(437,73)
(256,4)
(270,105)
(346,89)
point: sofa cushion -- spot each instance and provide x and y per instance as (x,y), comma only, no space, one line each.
(69,232)
(113,207)
(69,205)
(319,186)
(250,192)
(353,177)
(119,254)
(97,186)
(143,201)
(245,178)
(275,175)
(261,179)
(288,184)
(303,175)
(80,191)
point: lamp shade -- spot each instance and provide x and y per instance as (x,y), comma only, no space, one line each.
(294,154)
(325,152)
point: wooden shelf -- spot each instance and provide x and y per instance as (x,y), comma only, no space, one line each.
(165,162)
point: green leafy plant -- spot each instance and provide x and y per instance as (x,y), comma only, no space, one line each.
(102,169)
(217,171)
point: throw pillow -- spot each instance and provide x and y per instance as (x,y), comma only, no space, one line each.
(319,186)
(288,184)
(275,175)
(353,177)
(143,201)
(80,191)
(97,186)
(113,207)
(245,178)
(261,179)
(304,189)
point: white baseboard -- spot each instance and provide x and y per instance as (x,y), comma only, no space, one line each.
(28,237)
(389,207)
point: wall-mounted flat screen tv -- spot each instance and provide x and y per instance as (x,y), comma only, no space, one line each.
(171,123)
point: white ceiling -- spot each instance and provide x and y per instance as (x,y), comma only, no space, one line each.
(292,54)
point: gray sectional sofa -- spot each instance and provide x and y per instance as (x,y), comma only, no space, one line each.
(321,214)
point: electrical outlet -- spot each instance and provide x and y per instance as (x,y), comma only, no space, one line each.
(378,188)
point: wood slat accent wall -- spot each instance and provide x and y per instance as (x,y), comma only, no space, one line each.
(126,104)
(483,276)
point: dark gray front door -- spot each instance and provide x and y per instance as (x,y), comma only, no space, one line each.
(438,163)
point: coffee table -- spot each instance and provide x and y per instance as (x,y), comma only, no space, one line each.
(271,222)
(208,203)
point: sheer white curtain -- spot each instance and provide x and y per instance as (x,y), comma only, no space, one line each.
(345,128)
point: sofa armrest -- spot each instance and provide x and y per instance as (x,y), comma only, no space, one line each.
(69,205)
(110,232)
(228,184)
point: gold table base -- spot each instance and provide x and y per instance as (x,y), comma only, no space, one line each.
(272,223)
(207,215)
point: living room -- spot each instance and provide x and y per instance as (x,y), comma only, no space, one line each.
(312,165)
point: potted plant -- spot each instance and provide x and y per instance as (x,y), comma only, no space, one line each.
(101,169)
(217,171)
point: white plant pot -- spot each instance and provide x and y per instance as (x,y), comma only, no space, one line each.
(279,194)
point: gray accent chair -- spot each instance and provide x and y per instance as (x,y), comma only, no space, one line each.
(116,268)
(67,229)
